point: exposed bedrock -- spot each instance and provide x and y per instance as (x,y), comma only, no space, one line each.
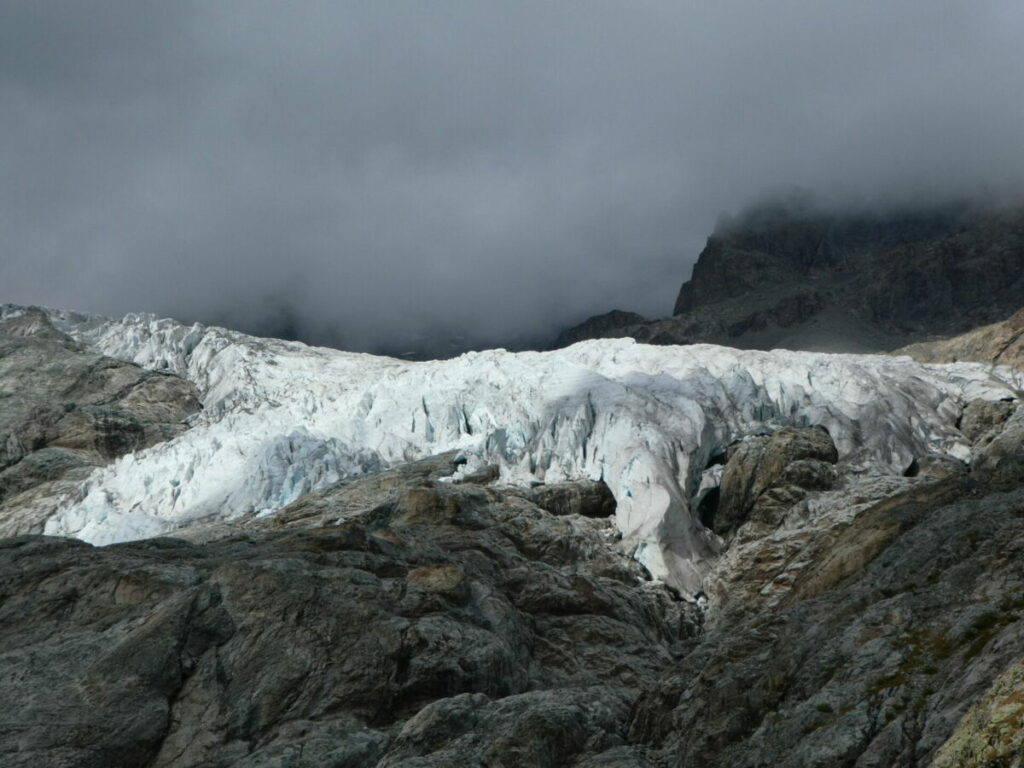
(764,476)
(998,453)
(590,498)
(787,275)
(872,622)
(449,625)
(886,635)
(65,410)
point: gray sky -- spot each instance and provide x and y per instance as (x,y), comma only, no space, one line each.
(366,171)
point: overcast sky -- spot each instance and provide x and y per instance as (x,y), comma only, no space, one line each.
(364,171)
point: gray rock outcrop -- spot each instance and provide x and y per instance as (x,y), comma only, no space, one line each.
(765,475)
(449,625)
(65,410)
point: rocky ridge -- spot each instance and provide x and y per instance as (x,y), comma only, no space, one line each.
(785,275)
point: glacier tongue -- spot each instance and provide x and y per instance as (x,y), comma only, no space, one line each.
(282,418)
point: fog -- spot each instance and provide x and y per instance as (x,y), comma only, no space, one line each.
(384,175)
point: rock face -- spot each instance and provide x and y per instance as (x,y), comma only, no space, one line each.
(784,275)
(998,454)
(65,410)
(877,623)
(588,498)
(766,475)
(874,657)
(449,625)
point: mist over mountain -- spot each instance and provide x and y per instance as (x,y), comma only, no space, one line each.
(374,176)
(790,273)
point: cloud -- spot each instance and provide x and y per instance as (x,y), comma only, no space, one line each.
(377,174)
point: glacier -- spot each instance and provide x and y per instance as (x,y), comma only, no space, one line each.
(281,419)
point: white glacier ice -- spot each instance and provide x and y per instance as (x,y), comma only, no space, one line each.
(282,418)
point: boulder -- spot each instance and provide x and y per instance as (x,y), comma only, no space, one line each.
(983,416)
(590,498)
(772,473)
(998,456)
